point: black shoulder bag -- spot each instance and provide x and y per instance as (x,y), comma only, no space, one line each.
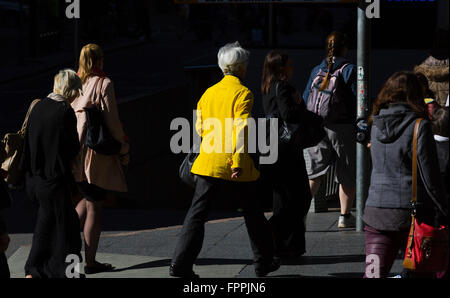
(98,136)
(294,136)
(185,169)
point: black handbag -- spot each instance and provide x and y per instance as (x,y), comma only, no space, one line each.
(184,172)
(97,136)
(294,136)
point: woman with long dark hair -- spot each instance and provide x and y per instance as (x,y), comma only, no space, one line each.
(387,213)
(287,177)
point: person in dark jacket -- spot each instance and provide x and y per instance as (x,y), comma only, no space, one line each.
(339,145)
(51,144)
(5,202)
(440,130)
(387,213)
(287,177)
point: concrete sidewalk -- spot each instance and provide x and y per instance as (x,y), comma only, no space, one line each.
(226,251)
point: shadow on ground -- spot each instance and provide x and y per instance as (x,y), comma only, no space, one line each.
(322,260)
(201,262)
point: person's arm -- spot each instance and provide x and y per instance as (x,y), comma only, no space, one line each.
(111,115)
(198,121)
(288,108)
(242,111)
(428,166)
(349,74)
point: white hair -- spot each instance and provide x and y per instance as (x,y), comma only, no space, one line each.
(232,57)
(67,84)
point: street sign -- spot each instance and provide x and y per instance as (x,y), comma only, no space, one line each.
(262,1)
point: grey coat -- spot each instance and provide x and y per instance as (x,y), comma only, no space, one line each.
(391,150)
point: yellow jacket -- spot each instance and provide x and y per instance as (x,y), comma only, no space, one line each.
(222,114)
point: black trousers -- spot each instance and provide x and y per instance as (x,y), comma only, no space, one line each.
(56,234)
(4,269)
(240,194)
(287,182)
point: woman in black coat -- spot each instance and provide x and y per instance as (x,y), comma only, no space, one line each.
(51,144)
(287,178)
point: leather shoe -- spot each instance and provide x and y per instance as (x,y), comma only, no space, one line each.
(263,270)
(177,272)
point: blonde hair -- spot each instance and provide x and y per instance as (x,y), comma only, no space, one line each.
(91,55)
(67,84)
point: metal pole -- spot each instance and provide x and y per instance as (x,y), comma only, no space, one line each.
(363,101)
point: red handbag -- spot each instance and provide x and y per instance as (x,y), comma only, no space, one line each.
(427,247)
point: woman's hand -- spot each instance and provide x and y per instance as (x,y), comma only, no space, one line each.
(124,154)
(125,159)
(4,242)
(124,149)
(235,173)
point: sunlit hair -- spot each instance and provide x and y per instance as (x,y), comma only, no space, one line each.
(67,84)
(402,86)
(90,57)
(275,69)
(335,44)
(232,58)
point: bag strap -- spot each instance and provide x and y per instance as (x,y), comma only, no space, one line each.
(25,121)
(99,95)
(414,161)
(340,70)
(409,264)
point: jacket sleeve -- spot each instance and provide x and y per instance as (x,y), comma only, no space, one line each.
(288,109)
(242,112)
(199,121)
(111,113)
(428,166)
(349,75)
(308,85)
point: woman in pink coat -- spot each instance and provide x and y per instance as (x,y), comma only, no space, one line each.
(96,173)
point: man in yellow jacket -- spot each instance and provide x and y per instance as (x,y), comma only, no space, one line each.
(224,168)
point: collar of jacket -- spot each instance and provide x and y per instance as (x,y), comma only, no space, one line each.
(56,97)
(231,79)
(338,63)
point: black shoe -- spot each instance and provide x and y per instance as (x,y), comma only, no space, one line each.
(177,272)
(263,270)
(290,254)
